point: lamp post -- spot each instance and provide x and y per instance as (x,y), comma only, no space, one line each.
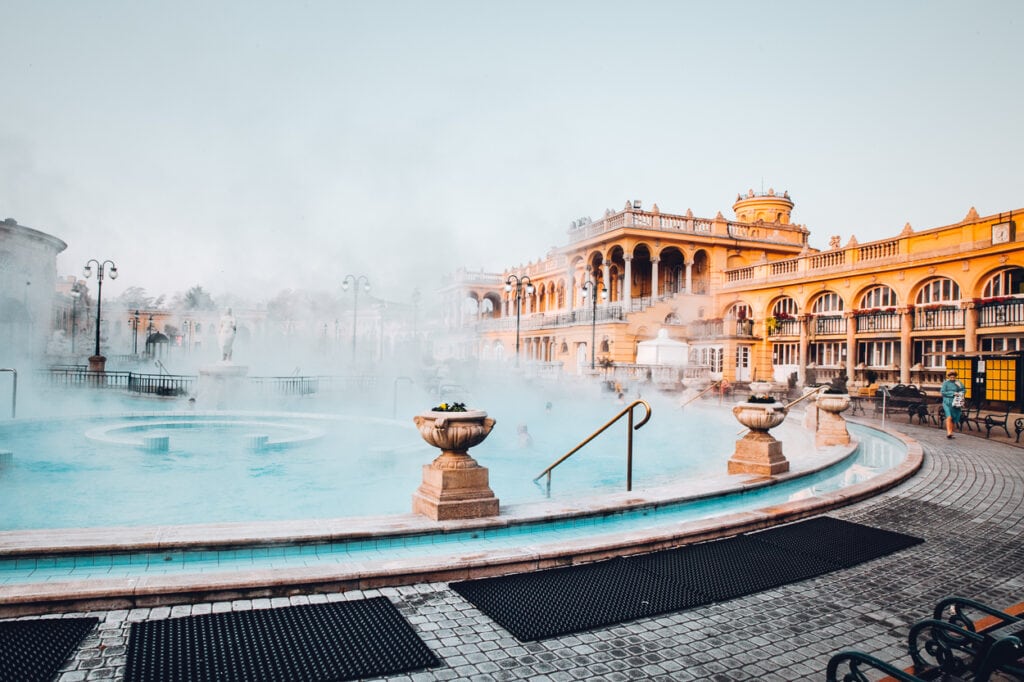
(97,363)
(351,279)
(520,283)
(133,322)
(591,286)
(76,293)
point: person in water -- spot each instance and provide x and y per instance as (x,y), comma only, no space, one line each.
(525,439)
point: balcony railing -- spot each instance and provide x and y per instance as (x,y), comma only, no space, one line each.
(829,324)
(1002,313)
(707,329)
(534,321)
(878,322)
(944,317)
(785,328)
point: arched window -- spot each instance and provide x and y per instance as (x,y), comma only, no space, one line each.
(1005,283)
(741,311)
(880,296)
(785,307)
(828,303)
(938,290)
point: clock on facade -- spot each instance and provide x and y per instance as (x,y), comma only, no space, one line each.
(1002,233)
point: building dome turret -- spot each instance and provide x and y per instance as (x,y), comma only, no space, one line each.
(765,206)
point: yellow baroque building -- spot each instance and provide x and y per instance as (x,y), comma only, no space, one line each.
(750,299)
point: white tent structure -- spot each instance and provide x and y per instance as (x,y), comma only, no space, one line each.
(662,351)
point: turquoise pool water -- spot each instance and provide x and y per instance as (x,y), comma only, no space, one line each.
(103,471)
(876,453)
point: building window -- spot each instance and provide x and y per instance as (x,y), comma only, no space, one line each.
(785,354)
(878,353)
(1005,283)
(710,356)
(827,303)
(931,353)
(879,296)
(784,307)
(826,353)
(1001,344)
(939,290)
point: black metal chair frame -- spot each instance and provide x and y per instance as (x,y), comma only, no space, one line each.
(946,645)
(971,414)
(996,420)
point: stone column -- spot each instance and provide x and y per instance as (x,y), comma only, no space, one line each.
(606,275)
(627,289)
(906,327)
(654,279)
(851,344)
(689,277)
(970,327)
(801,369)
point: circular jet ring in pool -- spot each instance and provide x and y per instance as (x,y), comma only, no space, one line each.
(152,435)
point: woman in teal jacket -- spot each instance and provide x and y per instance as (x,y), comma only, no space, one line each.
(950,387)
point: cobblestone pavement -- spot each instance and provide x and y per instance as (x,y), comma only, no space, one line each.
(967,502)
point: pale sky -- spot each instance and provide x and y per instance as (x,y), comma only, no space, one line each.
(256,146)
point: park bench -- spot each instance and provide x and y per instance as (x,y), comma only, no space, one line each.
(993,417)
(964,640)
(998,419)
(902,397)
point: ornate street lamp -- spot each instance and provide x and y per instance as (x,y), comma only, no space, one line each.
(98,362)
(591,286)
(133,322)
(520,283)
(351,279)
(76,293)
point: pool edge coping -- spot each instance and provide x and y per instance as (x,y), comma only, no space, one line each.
(34,598)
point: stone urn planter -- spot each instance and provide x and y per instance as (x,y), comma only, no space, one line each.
(454,485)
(831,427)
(758,452)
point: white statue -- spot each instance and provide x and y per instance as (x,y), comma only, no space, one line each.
(226,335)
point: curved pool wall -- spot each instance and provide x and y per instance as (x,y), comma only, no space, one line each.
(139,567)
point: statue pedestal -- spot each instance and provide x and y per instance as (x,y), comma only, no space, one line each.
(97,363)
(831,427)
(220,385)
(454,485)
(758,452)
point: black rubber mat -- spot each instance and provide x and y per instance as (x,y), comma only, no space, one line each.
(564,600)
(32,650)
(843,543)
(733,567)
(315,642)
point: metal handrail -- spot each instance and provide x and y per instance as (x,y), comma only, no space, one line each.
(714,385)
(14,390)
(628,410)
(805,396)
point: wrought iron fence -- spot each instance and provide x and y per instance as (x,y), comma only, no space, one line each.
(160,384)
